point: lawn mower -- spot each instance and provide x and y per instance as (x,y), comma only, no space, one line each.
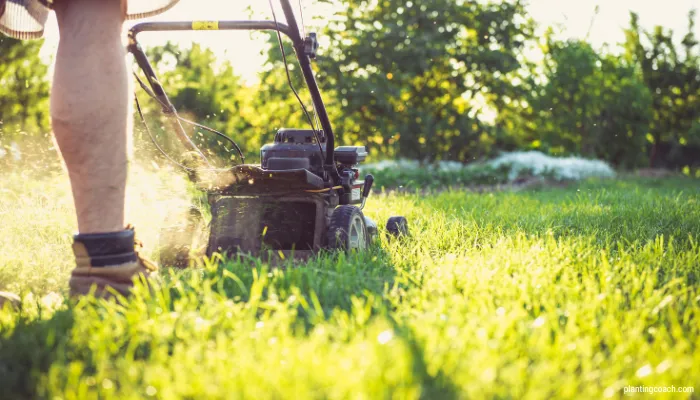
(305,195)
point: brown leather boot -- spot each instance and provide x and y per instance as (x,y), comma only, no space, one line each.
(108,260)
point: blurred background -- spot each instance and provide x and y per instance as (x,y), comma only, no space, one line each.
(445,80)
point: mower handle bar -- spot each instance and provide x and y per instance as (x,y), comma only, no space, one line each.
(208,26)
(291,30)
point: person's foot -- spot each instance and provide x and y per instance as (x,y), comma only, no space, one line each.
(8,299)
(107,260)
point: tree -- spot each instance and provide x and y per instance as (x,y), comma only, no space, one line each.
(274,105)
(673,78)
(413,79)
(586,103)
(205,92)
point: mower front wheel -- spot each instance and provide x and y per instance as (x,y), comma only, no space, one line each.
(347,230)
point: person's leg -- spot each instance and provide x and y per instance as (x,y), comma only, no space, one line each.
(90,109)
(90,119)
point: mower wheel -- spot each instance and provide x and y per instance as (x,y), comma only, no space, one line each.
(372,230)
(397,226)
(347,230)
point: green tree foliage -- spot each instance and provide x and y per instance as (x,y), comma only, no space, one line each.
(450,80)
(412,79)
(24,89)
(210,93)
(673,77)
(204,91)
(274,105)
(433,80)
(584,103)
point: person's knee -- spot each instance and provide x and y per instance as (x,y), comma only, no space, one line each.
(83,141)
(86,116)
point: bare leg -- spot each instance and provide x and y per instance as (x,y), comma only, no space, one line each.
(90,109)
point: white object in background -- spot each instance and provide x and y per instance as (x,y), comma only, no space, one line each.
(561,168)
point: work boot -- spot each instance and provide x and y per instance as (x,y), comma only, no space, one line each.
(108,260)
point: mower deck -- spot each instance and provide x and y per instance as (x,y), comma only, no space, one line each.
(253,224)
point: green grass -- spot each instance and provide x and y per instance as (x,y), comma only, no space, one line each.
(564,293)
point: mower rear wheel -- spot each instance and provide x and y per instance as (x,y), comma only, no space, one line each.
(347,230)
(397,226)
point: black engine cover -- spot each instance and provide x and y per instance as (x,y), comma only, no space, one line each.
(294,149)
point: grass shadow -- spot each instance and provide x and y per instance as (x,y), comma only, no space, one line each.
(29,347)
(331,279)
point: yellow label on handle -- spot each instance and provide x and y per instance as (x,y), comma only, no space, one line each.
(205,25)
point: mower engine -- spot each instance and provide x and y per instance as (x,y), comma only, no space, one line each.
(287,205)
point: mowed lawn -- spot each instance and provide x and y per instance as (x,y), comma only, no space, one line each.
(572,292)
